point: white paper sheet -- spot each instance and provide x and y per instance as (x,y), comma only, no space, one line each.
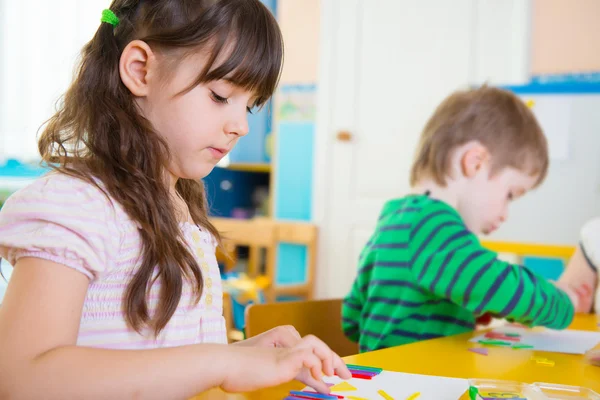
(542,339)
(399,385)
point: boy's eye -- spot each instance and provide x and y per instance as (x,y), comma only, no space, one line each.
(510,196)
(217,98)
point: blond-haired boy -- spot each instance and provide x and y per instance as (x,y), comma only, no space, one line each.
(424,274)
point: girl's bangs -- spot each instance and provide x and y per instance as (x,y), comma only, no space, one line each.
(251,51)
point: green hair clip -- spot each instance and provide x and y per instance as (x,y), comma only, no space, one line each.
(109,17)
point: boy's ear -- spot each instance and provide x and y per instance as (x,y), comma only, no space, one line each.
(136,67)
(474,158)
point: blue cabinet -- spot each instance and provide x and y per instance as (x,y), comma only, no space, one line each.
(231,193)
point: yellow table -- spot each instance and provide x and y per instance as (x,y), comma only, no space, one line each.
(426,358)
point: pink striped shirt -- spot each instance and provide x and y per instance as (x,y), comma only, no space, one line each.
(71,222)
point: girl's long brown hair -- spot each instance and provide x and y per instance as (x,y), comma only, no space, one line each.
(98,134)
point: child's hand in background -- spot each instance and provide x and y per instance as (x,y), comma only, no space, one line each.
(581,296)
(593,357)
(585,294)
(251,368)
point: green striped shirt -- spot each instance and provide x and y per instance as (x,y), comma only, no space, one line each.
(423,275)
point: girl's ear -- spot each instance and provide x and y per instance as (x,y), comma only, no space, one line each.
(137,67)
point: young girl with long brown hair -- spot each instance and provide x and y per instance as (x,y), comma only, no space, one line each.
(116,291)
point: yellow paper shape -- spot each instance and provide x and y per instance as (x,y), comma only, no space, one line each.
(383,394)
(342,387)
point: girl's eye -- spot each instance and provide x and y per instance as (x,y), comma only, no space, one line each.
(217,98)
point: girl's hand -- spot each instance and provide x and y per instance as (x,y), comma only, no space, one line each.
(252,368)
(281,336)
(332,364)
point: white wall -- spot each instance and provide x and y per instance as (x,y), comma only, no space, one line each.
(40,43)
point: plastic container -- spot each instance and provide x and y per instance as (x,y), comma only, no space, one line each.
(564,392)
(492,389)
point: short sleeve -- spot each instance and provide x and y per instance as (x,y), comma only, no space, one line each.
(590,242)
(62,219)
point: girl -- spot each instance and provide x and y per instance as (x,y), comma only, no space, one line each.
(116,290)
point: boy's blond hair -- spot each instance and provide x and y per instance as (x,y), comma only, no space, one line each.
(497,119)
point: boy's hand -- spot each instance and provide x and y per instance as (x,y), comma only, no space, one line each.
(585,295)
(581,296)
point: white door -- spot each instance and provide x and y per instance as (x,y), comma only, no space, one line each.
(385,65)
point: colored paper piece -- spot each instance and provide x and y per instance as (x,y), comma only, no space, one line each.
(473,392)
(363,372)
(355,398)
(479,350)
(566,341)
(509,334)
(313,395)
(545,363)
(501,336)
(363,368)
(342,387)
(522,346)
(414,396)
(383,394)
(494,343)
(361,376)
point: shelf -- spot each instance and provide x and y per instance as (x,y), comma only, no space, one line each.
(250,167)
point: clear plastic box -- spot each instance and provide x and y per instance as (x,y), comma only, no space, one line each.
(498,389)
(564,392)
(492,389)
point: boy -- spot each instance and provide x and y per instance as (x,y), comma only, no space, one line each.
(424,274)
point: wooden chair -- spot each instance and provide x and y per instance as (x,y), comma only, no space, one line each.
(264,233)
(301,233)
(255,233)
(322,318)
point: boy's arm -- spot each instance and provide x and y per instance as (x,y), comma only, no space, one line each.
(469,275)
